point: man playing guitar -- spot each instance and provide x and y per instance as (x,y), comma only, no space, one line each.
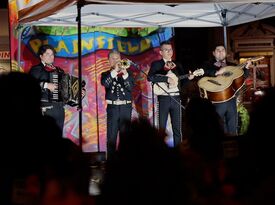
(227,110)
(169,102)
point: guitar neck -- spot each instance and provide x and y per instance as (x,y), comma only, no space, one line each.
(181,77)
(252,60)
(242,65)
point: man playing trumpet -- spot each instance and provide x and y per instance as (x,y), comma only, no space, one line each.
(118,83)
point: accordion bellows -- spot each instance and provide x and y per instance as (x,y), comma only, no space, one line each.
(68,88)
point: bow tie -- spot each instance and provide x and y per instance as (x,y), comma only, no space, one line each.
(169,65)
(220,64)
(120,74)
(50,67)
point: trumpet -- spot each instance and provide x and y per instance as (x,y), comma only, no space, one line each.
(124,64)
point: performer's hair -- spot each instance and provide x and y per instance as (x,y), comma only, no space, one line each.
(165,43)
(113,52)
(217,45)
(43,48)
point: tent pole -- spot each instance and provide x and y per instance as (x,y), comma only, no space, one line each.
(224,23)
(225,37)
(78,19)
(96,97)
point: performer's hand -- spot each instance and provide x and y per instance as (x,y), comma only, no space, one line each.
(117,67)
(190,76)
(171,81)
(52,86)
(220,72)
(124,71)
(248,64)
(83,93)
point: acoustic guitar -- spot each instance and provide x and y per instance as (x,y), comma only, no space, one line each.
(224,87)
(162,88)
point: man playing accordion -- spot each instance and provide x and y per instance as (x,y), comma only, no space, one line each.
(49,77)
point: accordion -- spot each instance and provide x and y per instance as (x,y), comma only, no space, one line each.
(68,88)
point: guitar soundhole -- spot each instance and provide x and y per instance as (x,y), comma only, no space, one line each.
(227,73)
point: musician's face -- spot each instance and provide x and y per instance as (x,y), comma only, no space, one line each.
(166,51)
(219,53)
(114,59)
(47,57)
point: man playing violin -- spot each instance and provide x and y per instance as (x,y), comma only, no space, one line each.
(118,83)
(169,102)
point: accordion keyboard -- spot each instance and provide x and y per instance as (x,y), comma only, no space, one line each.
(55,92)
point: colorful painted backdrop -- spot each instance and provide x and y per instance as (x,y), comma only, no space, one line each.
(141,45)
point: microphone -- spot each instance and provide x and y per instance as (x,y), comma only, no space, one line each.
(133,63)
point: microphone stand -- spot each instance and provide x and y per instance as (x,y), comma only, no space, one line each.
(153,95)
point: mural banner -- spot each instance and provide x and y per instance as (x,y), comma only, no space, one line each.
(95,49)
(140,45)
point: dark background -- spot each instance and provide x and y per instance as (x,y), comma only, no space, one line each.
(3,4)
(191,46)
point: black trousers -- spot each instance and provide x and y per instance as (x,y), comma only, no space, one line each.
(57,112)
(168,106)
(116,115)
(229,115)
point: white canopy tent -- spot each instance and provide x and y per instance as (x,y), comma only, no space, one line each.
(148,14)
(135,13)
(152,13)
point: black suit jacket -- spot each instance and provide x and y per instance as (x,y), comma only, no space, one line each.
(158,74)
(117,88)
(43,76)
